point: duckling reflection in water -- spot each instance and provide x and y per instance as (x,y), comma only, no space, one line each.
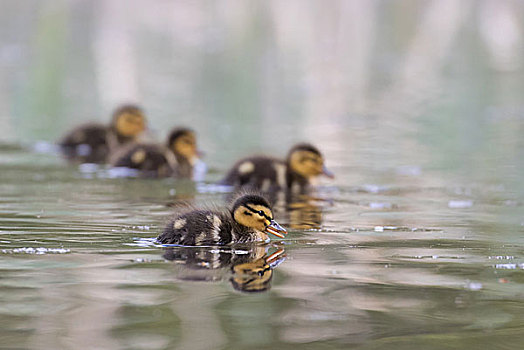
(256,275)
(303,164)
(93,143)
(177,158)
(304,214)
(249,269)
(250,219)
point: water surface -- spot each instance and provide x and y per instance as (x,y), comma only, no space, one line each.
(418,242)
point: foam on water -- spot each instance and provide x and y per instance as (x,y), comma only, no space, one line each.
(509,266)
(145,242)
(36,251)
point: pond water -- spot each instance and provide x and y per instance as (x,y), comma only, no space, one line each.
(418,243)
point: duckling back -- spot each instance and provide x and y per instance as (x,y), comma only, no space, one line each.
(152,160)
(149,159)
(199,227)
(86,144)
(260,172)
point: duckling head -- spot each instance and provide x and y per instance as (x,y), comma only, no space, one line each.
(254,211)
(182,142)
(307,161)
(129,121)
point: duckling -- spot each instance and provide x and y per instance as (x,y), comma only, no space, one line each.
(303,163)
(92,143)
(250,219)
(176,159)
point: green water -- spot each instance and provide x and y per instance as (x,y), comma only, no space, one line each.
(418,243)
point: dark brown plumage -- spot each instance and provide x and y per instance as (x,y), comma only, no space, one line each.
(175,159)
(303,163)
(149,159)
(86,144)
(92,143)
(249,220)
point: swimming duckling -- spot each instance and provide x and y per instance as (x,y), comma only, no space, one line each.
(176,159)
(92,143)
(303,163)
(250,219)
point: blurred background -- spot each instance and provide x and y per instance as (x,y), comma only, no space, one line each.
(417,105)
(398,82)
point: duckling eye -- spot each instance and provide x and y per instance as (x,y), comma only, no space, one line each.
(260,212)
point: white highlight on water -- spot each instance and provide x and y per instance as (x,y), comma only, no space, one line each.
(36,251)
(199,171)
(457,204)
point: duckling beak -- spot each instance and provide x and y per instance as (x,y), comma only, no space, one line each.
(275,229)
(328,172)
